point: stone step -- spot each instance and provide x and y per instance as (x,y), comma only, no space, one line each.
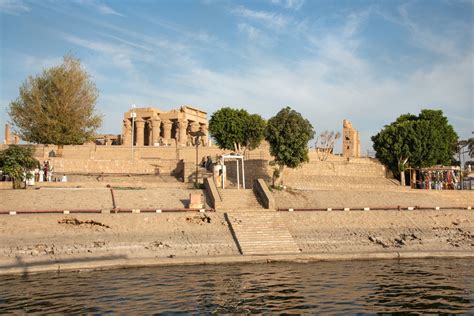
(235,199)
(261,233)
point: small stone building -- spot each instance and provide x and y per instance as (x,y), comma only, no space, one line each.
(154,127)
(350,140)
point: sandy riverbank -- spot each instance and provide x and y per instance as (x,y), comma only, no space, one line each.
(46,242)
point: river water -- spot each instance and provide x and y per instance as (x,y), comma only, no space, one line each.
(408,286)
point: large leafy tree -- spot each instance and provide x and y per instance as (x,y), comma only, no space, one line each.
(16,161)
(236,129)
(416,141)
(288,134)
(57,106)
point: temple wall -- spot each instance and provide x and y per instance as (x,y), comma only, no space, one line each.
(92,166)
(96,159)
(98,152)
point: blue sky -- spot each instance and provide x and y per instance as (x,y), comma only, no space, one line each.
(366,61)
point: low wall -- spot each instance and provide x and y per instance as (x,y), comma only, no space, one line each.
(212,193)
(137,166)
(189,171)
(263,193)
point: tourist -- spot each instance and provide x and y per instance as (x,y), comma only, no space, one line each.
(208,163)
(41,175)
(50,174)
(46,170)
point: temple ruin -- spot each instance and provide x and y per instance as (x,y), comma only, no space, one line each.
(9,137)
(154,127)
(350,140)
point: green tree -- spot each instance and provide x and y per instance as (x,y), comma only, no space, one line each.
(57,107)
(416,141)
(236,129)
(16,161)
(394,146)
(288,134)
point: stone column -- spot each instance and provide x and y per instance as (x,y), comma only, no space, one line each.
(150,132)
(183,126)
(140,124)
(167,124)
(16,139)
(204,138)
(194,127)
(156,130)
(127,133)
(8,136)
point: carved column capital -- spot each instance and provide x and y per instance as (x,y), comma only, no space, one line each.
(155,121)
(140,123)
(183,123)
(194,126)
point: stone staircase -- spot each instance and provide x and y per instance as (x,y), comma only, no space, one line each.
(238,199)
(261,233)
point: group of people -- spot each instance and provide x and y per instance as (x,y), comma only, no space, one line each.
(206,162)
(44,173)
(439,180)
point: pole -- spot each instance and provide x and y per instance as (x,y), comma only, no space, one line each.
(238,175)
(460,167)
(197,161)
(133,130)
(222,175)
(243,174)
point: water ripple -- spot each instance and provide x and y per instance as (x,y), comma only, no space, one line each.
(411,286)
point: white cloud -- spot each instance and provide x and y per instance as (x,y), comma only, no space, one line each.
(14,7)
(268,19)
(331,83)
(105,9)
(100,7)
(33,64)
(255,35)
(442,43)
(119,55)
(252,32)
(425,38)
(289,4)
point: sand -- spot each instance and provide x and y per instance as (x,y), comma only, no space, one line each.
(375,231)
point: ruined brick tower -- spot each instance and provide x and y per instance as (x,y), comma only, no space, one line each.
(350,140)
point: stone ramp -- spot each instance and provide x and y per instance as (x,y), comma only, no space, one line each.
(365,174)
(309,182)
(238,199)
(261,233)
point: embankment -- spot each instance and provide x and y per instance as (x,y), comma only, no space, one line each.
(55,242)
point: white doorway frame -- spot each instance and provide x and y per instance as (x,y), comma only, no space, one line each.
(231,157)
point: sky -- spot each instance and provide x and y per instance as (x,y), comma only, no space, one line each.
(366,61)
